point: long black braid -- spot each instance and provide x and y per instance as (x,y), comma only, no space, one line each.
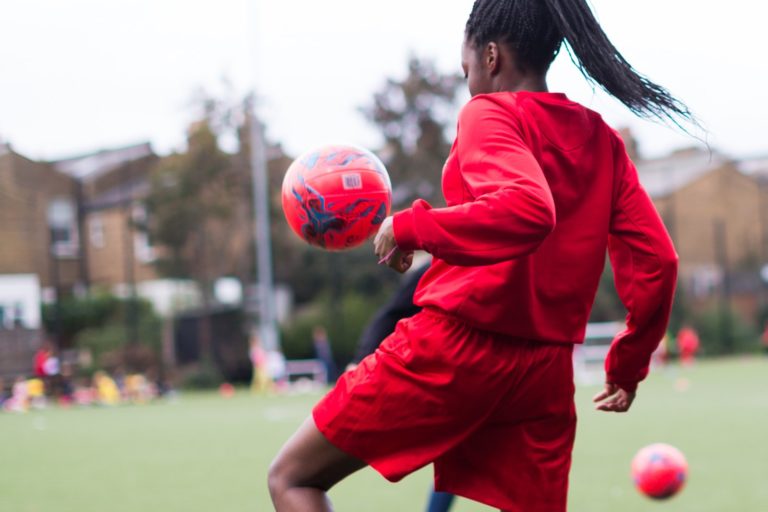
(536,30)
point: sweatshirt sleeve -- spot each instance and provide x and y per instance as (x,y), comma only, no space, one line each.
(645,271)
(509,210)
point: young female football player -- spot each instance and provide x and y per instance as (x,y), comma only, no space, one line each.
(537,188)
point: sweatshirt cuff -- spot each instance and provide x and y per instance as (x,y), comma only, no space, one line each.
(404,226)
(629,387)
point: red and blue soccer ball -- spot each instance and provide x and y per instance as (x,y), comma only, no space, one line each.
(659,471)
(336,197)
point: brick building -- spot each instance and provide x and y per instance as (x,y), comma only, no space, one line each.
(716,215)
(40,251)
(39,222)
(113,183)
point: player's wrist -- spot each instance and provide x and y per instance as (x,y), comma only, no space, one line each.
(404,228)
(628,386)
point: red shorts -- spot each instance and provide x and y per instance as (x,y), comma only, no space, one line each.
(495,415)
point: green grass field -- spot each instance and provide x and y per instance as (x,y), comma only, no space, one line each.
(204,453)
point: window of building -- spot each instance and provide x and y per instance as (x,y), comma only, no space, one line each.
(96,231)
(143,248)
(62,223)
(705,280)
(142,241)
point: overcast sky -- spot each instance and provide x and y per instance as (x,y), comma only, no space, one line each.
(80,75)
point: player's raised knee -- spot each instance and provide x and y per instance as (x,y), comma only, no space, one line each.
(278,476)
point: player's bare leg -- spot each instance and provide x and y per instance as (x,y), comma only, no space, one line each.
(305,469)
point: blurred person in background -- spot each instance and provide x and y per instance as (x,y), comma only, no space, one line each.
(323,352)
(40,359)
(19,399)
(85,393)
(107,391)
(36,393)
(4,393)
(660,356)
(688,345)
(66,385)
(261,381)
(46,367)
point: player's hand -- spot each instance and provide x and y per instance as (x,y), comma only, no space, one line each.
(385,247)
(613,399)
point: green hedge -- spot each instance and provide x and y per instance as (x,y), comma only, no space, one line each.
(102,324)
(344,320)
(723,331)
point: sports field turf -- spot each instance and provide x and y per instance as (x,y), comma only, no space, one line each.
(204,453)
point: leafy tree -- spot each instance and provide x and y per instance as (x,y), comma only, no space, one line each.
(79,314)
(189,200)
(97,323)
(193,218)
(358,310)
(108,341)
(413,116)
(725,331)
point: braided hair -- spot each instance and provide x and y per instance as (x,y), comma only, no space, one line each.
(537,29)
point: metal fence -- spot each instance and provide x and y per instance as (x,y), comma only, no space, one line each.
(17,349)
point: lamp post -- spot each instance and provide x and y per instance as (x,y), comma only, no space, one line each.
(262,237)
(267,326)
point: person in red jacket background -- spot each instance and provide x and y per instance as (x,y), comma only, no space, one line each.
(688,345)
(537,187)
(40,360)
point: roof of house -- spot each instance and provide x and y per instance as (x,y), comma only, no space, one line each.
(755,166)
(119,196)
(663,176)
(95,164)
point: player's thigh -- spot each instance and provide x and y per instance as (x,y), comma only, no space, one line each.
(308,459)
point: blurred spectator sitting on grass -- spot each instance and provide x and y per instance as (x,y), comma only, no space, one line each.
(107,391)
(36,393)
(19,400)
(84,394)
(138,389)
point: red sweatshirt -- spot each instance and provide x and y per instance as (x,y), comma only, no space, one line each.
(537,188)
